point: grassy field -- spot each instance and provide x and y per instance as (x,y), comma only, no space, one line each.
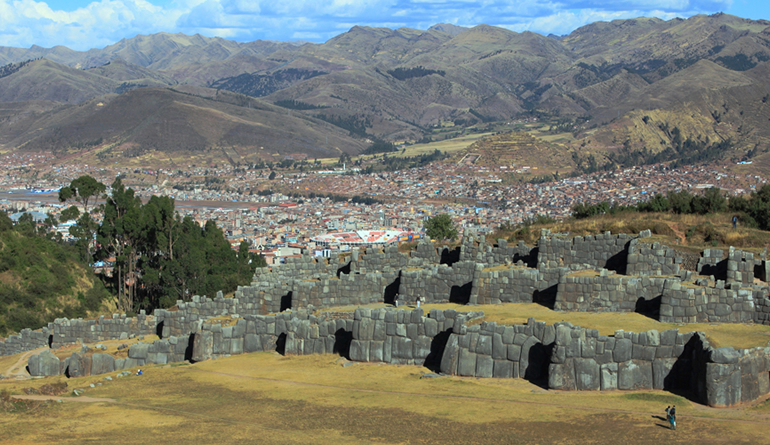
(450,145)
(267,398)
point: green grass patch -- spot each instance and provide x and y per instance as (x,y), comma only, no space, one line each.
(665,398)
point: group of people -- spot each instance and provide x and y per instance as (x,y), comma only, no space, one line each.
(418,301)
(671,416)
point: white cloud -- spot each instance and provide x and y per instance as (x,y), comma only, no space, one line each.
(27,22)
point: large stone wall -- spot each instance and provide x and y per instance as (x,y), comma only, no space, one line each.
(480,272)
(600,251)
(66,332)
(26,340)
(584,360)
(491,350)
(441,283)
(740,267)
(604,291)
(515,284)
(720,303)
(591,273)
(403,337)
(568,357)
(651,259)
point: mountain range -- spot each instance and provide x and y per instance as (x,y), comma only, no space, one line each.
(630,88)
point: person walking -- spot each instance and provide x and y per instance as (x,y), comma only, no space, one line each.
(672,417)
(735,221)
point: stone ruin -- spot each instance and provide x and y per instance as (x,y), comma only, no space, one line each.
(619,273)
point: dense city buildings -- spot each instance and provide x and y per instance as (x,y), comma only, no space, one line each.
(242,203)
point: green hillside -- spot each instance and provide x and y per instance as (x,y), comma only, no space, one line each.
(41,279)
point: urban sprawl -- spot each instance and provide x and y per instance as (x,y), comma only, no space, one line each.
(279,225)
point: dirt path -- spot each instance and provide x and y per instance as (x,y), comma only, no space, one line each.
(679,234)
(446,396)
(83,399)
(19,369)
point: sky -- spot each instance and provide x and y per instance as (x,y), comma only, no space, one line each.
(85,24)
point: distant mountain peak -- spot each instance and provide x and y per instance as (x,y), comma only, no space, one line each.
(448,28)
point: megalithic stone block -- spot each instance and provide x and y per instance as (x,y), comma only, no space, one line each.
(203,346)
(609,376)
(252,343)
(484,366)
(723,384)
(661,368)
(562,376)
(635,374)
(587,374)
(466,365)
(451,355)
(102,364)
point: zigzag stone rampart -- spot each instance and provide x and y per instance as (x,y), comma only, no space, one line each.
(617,273)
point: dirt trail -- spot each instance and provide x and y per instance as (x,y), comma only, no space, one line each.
(679,234)
(19,369)
(83,399)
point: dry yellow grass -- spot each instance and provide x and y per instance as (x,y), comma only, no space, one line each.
(267,398)
(685,232)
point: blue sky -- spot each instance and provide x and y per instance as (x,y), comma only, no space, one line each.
(84,24)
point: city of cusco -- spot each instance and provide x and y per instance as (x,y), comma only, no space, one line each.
(393,222)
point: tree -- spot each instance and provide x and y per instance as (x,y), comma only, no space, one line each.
(712,201)
(272,176)
(83,190)
(680,202)
(440,227)
(119,235)
(658,203)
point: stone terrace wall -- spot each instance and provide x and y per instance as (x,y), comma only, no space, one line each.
(584,360)
(306,266)
(651,259)
(512,285)
(441,283)
(736,376)
(718,304)
(187,316)
(489,350)
(291,333)
(26,340)
(740,267)
(88,362)
(762,307)
(348,289)
(570,357)
(517,284)
(605,292)
(476,248)
(712,262)
(67,332)
(403,337)
(600,251)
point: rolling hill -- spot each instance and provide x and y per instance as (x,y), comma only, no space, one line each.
(149,124)
(704,76)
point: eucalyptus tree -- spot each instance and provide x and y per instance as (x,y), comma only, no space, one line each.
(120,234)
(85,190)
